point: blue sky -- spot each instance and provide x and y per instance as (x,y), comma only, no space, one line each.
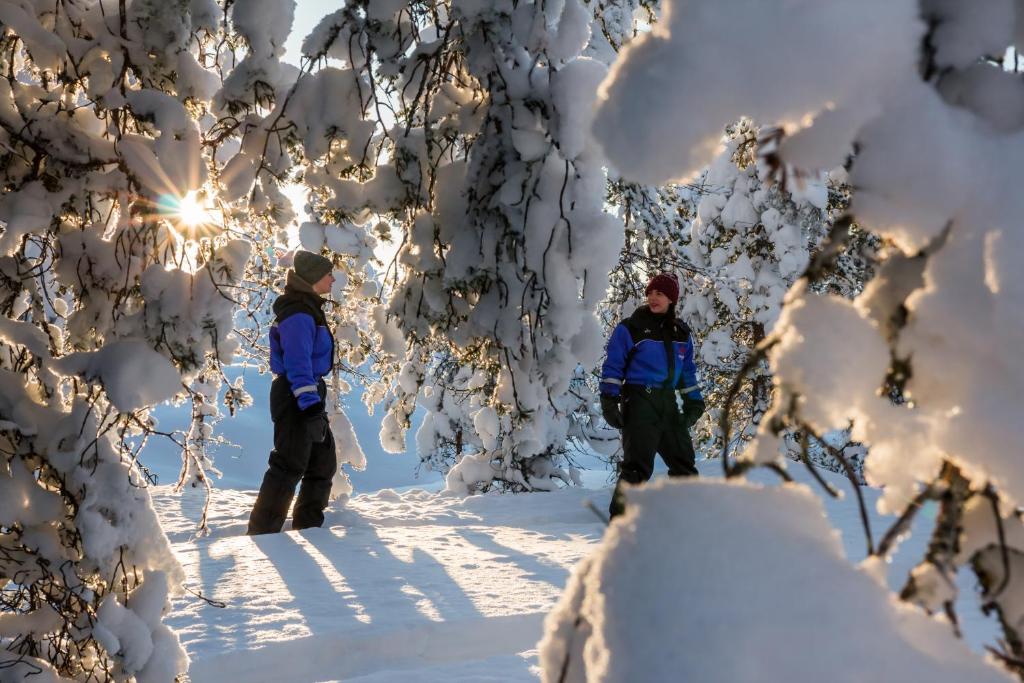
(307,14)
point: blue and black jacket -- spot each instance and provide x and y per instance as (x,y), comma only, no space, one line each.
(653,351)
(301,345)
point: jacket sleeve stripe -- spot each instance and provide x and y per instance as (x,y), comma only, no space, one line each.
(615,360)
(303,390)
(688,373)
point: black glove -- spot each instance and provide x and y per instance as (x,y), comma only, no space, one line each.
(316,421)
(611,411)
(693,408)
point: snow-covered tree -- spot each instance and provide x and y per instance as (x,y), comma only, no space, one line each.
(464,126)
(751,238)
(139,160)
(917,98)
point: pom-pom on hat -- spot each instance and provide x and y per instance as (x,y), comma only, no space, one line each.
(667,284)
(311,267)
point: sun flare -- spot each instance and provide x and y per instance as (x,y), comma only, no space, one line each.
(190,213)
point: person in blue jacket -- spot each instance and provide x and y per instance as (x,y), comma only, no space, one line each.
(649,389)
(301,353)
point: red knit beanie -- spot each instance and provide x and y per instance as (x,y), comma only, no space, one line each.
(667,284)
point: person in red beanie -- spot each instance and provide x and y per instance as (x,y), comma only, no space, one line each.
(649,364)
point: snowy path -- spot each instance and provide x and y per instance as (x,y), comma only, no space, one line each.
(456,589)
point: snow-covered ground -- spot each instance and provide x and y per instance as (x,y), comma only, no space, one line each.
(456,589)
(403,582)
(407,584)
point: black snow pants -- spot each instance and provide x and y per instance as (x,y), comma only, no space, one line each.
(653,424)
(295,458)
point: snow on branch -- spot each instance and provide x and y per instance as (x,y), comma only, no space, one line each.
(916,104)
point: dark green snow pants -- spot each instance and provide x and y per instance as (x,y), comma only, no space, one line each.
(653,424)
(295,458)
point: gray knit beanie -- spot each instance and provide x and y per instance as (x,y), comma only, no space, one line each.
(311,267)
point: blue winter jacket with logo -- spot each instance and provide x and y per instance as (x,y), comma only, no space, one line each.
(301,345)
(638,353)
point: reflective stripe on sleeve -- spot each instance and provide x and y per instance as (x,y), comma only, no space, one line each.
(687,390)
(611,380)
(302,390)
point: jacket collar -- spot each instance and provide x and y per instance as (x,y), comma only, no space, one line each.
(295,284)
(644,316)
